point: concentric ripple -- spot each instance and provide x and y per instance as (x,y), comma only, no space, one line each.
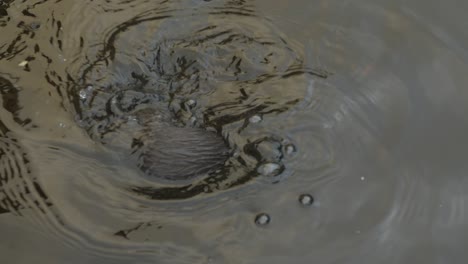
(233,69)
(211,131)
(18,192)
(19,188)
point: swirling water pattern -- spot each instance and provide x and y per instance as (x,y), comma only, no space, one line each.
(359,104)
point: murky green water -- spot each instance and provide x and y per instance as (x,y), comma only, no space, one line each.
(234,131)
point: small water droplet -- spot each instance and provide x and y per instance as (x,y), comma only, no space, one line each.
(255,119)
(269,169)
(306,199)
(62,125)
(363,178)
(262,219)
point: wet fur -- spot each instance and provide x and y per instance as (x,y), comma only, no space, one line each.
(179,153)
(174,153)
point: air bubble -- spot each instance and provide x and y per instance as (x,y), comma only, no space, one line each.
(290,149)
(255,119)
(191,103)
(83,94)
(306,199)
(269,169)
(262,219)
(34,25)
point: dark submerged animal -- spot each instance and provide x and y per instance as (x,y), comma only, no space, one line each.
(164,148)
(177,153)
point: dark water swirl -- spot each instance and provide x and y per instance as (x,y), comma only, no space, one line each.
(193,68)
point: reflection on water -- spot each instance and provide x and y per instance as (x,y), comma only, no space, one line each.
(232,131)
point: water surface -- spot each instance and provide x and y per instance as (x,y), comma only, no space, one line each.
(361,105)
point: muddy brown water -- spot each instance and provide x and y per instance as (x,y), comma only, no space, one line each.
(345,126)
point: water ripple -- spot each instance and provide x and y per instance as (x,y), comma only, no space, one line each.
(359,105)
